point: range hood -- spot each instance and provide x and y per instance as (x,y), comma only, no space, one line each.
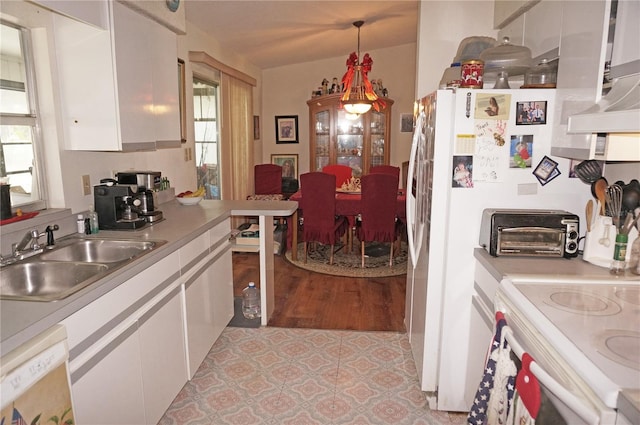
(617,112)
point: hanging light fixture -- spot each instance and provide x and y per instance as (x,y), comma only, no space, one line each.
(358,96)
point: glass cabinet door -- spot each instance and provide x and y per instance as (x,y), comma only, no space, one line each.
(322,138)
(350,142)
(336,137)
(378,142)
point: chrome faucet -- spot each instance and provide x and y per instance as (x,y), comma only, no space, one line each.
(31,239)
(26,239)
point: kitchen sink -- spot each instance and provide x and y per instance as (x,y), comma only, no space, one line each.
(73,264)
(99,251)
(47,281)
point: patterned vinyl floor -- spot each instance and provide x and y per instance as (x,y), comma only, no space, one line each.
(304,377)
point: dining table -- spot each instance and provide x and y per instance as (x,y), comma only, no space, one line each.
(348,204)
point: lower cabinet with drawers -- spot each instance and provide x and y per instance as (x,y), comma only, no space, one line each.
(133,349)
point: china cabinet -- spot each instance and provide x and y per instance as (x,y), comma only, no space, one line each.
(360,143)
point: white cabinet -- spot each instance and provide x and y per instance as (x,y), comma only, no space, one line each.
(127,350)
(542,25)
(138,373)
(208,291)
(109,389)
(92,12)
(163,355)
(119,87)
(583,43)
(505,11)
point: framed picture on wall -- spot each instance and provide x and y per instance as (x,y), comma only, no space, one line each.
(288,162)
(286,129)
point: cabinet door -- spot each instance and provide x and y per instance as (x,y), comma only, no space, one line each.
(164,366)
(134,44)
(108,388)
(350,142)
(544,18)
(321,145)
(166,108)
(209,301)
(83,57)
(221,274)
(378,154)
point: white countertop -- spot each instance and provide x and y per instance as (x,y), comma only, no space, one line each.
(22,320)
(560,269)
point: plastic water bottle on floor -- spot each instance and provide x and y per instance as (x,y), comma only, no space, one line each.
(251,301)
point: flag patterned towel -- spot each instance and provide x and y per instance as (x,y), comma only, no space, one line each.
(490,405)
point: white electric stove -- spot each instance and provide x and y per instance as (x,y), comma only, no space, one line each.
(588,330)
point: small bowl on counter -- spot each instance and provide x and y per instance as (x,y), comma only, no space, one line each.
(189,201)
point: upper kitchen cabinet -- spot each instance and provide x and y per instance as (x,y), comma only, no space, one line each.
(535,24)
(592,126)
(361,142)
(119,87)
(92,12)
(542,29)
(505,11)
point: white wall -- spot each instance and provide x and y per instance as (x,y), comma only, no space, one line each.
(287,89)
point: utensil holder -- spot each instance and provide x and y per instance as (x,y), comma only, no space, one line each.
(597,250)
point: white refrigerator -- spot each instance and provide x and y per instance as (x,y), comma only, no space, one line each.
(472,149)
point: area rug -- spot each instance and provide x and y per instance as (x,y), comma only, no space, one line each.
(349,265)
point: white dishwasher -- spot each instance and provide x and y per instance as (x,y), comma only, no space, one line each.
(35,381)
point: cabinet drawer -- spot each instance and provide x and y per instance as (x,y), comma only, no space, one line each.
(193,252)
(95,320)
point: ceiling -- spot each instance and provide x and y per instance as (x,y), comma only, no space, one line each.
(273,33)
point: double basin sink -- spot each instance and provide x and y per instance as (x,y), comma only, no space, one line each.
(73,264)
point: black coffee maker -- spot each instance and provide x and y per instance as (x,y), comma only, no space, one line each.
(147,182)
(117,206)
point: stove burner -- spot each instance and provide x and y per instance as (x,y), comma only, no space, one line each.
(621,346)
(582,303)
(630,295)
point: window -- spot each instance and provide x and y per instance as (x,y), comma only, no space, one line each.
(19,165)
(206,123)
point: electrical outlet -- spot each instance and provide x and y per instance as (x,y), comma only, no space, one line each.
(190,154)
(86,185)
(186,155)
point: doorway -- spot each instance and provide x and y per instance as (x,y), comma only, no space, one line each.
(206,108)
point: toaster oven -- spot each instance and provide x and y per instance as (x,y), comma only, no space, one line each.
(533,233)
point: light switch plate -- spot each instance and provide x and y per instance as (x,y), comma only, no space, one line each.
(86,185)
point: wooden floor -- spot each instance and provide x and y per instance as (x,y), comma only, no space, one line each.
(306,299)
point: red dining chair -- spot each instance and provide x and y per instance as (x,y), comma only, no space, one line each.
(385,169)
(377,221)
(342,172)
(320,223)
(267,182)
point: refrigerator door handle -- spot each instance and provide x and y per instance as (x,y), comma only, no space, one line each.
(414,233)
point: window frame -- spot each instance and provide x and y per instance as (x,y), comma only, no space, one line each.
(31,119)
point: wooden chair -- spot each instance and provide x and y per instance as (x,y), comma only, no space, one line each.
(342,172)
(385,169)
(320,223)
(377,221)
(267,183)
